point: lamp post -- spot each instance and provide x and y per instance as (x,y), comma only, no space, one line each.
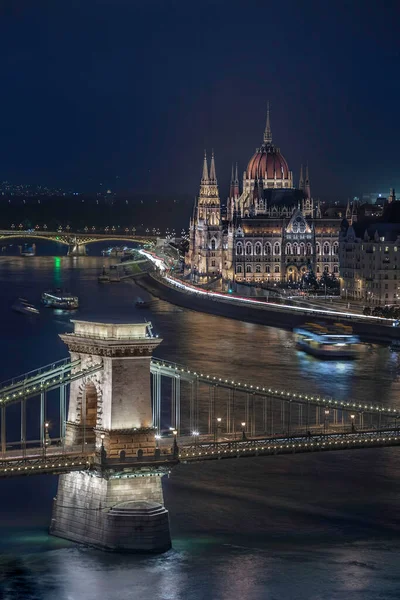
(195,435)
(243,430)
(46,436)
(157,438)
(325,418)
(216,430)
(176,449)
(102,450)
(352,417)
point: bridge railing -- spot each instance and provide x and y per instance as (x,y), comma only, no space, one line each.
(35,373)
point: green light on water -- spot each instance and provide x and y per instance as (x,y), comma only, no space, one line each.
(57,271)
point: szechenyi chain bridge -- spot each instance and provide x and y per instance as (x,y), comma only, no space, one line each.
(132,417)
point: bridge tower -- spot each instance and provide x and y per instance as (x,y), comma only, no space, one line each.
(118,504)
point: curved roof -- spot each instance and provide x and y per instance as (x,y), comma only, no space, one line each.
(266,163)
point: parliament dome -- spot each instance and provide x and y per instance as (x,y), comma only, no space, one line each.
(267,163)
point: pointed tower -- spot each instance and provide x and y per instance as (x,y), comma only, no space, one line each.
(392,196)
(307,186)
(213,176)
(204,178)
(318,212)
(301,181)
(348,210)
(268,132)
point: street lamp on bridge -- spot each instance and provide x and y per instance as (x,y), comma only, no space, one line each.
(325,418)
(216,430)
(195,435)
(352,417)
(243,430)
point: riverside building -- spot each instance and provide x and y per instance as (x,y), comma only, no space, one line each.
(369,257)
(272,231)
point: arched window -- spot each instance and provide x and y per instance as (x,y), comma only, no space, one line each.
(248,269)
(326,248)
(309,249)
(335,248)
(317,269)
(258,268)
(261,205)
(276,268)
(277,248)
(257,248)
(238,268)
(295,248)
(249,248)
(302,249)
(239,248)
(289,249)
(326,269)
(267,249)
(335,269)
(213,244)
(318,249)
(268,269)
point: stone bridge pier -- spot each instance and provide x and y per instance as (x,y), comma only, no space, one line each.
(119,504)
(75,249)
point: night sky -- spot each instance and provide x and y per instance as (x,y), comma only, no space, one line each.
(130,93)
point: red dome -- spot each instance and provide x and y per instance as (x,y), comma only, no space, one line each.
(267,160)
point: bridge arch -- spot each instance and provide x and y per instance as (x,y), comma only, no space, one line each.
(90,405)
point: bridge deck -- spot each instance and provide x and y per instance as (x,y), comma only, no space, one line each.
(56,460)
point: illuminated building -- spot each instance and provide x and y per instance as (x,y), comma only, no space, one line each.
(369,254)
(272,231)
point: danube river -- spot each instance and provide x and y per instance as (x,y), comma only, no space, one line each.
(286,527)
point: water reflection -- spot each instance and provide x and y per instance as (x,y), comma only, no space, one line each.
(304,526)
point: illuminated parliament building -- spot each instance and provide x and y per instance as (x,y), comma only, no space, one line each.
(272,230)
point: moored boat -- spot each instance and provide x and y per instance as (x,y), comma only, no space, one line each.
(335,342)
(104,277)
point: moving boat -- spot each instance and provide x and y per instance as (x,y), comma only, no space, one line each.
(60,299)
(24,307)
(335,341)
(142,303)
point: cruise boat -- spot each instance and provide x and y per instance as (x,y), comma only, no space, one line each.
(60,299)
(24,307)
(335,341)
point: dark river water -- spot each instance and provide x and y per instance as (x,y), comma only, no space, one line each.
(287,527)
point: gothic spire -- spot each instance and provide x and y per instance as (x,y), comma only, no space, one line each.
(213,176)
(204,178)
(307,186)
(301,182)
(267,132)
(236,175)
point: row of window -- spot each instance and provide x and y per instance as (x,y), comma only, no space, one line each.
(295,248)
(257,269)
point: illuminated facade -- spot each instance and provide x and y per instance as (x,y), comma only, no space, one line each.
(272,231)
(369,254)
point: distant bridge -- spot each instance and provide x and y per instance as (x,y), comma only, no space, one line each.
(75,240)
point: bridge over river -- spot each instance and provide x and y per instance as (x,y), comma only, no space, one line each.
(111,420)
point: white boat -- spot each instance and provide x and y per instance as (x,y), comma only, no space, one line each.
(336,342)
(24,307)
(60,299)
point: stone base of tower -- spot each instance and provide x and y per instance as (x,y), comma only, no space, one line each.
(124,514)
